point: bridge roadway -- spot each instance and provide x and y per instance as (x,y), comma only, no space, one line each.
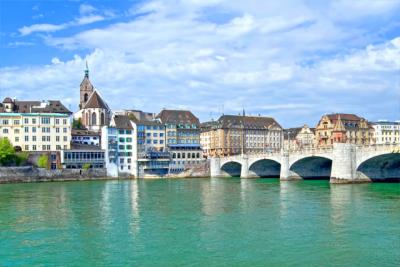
(344,163)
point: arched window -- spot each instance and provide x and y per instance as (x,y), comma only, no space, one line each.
(86,118)
(102,119)
(85,97)
(94,120)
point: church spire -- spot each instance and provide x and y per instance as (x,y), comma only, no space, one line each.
(87,71)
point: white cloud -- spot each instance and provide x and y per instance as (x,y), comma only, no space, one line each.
(86,9)
(87,17)
(26,30)
(289,61)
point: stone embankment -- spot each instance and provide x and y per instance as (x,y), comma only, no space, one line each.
(201,170)
(32,174)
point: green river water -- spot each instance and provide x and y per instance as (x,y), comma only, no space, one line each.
(199,222)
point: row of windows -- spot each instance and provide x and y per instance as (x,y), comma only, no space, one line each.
(33,130)
(155,134)
(43,120)
(84,155)
(124,154)
(122,147)
(44,147)
(183,141)
(125,140)
(155,142)
(122,160)
(125,131)
(45,138)
(186,155)
(178,162)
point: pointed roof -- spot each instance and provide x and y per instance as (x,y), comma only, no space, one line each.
(96,101)
(339,126)
(86,84)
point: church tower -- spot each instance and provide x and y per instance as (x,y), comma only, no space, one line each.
(94,112)
(86,88)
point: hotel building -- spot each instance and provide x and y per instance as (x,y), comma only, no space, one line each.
(35,125)
(236,134)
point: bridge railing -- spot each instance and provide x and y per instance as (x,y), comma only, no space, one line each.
(379,147)
(374,147)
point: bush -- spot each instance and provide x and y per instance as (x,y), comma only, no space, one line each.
(77,124)
(7,152)
(42,161)
(21,158)
(86,166)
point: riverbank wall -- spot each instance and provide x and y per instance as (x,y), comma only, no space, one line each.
(29,174)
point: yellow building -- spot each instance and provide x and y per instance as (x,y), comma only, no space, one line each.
(299,138)
(232,135)
(35,125)
(344,128)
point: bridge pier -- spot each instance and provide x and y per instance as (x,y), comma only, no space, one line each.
(215,167)
(344,165)
(244,172)
(285,172)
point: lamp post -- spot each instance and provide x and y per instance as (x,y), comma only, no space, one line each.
(288,135)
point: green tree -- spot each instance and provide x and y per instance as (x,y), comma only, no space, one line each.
(7,152)
(21,158)
(42,161)
(86,166)
(77,124)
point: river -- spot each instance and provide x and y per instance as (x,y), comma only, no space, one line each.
(199,222)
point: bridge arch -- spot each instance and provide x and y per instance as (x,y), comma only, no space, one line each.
(265,168)
(384,167)
(231,168)
(311,167)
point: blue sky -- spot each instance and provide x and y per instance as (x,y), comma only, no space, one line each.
(293,60)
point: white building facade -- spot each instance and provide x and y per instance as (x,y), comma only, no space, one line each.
(35,125)
(386,132)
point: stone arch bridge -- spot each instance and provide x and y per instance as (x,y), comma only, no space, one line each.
(344,163)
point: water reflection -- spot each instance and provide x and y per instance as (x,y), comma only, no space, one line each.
(341,198)
(134,201)
(284,191)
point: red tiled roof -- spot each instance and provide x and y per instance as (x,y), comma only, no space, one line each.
(95,101)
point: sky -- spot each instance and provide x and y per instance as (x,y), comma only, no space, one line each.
(292,60)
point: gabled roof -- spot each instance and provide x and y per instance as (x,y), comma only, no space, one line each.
(122,122)
(291,132)
(49,106)
(349,121)
(96,101)
(248,122)
(178,117)
(343,117)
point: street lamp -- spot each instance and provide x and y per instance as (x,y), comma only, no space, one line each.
(288,135)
